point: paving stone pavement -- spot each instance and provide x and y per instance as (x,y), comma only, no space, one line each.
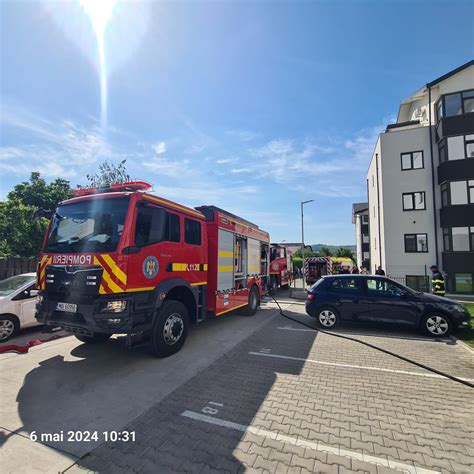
(252,412)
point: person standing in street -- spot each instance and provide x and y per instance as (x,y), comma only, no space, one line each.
(437,281)
(380,271)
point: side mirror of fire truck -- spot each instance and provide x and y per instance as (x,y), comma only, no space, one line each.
(42,213)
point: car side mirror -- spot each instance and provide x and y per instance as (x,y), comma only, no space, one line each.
(34,293)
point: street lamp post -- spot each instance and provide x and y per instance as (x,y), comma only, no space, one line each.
(302,233)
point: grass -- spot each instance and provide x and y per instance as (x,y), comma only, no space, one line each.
(467,335)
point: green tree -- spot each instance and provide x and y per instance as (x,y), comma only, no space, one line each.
(20,234)
(344,252)
(109,173)
(325,251)
(37,193)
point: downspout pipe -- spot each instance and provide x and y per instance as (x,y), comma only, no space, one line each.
(433,176)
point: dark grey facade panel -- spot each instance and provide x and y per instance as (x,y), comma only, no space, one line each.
(365,247)
(461,215)
(364,228)
(458,262)
(455,125)
(456,170)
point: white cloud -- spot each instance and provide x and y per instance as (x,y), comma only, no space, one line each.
(243,135)
(159,148)
(225,161)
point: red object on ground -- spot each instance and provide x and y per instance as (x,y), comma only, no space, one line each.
(25,348)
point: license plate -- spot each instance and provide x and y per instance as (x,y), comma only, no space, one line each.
(68,307)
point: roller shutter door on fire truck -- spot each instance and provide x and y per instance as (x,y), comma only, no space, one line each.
(253,256)
(225,274)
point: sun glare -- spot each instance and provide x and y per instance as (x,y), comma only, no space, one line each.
(99,12)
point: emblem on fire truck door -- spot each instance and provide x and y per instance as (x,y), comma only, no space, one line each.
(150,267)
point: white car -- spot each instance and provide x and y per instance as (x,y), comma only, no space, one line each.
(18,297)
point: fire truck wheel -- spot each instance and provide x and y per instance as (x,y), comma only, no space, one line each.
(253,304)
(96,337)
(170,328)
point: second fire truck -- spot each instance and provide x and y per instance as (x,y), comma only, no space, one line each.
(121,260)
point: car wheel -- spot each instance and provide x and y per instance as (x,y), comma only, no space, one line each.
(253,303)
(170,329)
(327,318)
(9,327)
(96,337)
(436,325)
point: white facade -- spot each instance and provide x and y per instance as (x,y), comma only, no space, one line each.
(404,194)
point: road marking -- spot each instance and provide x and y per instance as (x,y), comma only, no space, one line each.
(409,338)
(350,366)
(217,404)
(316,446)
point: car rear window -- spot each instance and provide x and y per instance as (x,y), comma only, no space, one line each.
(345,285)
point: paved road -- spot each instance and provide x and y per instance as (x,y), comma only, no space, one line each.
(280,398)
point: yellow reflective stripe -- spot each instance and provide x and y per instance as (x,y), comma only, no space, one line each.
(178,267)
(226,253)
(437,281)
(101,289)
(199,284)
(254,267)
(117,271)
(205,267)
(111,284)
(231,309)
(226,268)
(146,288)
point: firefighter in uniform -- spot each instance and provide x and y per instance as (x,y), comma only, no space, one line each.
(437,281)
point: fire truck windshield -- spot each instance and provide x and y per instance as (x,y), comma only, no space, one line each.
(93,225)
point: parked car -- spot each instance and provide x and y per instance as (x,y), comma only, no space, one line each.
(360,298)
(18,297)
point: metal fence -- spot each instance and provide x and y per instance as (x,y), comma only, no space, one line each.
(416,282)
(16,265)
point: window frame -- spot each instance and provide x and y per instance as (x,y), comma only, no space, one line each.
(411,153)
(187,219)
(443,104)
(412,194)
(416,241)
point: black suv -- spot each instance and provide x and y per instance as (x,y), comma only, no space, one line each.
(375,298)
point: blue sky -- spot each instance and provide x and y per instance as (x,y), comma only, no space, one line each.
(252,106)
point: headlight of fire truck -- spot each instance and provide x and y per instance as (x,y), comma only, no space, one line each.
(114,306)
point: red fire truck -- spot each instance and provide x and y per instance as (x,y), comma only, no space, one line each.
(121,260)
(280,267)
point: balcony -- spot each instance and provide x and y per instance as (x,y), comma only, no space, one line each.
(455,125)
(456,170)
(458,262)
(461,215)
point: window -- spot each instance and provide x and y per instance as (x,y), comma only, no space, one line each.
(415,243)
(460,236)
(452,104)
(455,104)
(456,148)
(346,285)
(155,225)
(172,229)
(412,160)
(365,238)
(464,282)
(383,288)
(418,282)
(447,239)
(444,194)
(443,152)
(469,139)
(192,232)
(365,219)
(462,192)
(414,201)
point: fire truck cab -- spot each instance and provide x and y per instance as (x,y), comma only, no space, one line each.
(280,267)
(121,260)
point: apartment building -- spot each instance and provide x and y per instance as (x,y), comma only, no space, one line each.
(420,185)
(360,217)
